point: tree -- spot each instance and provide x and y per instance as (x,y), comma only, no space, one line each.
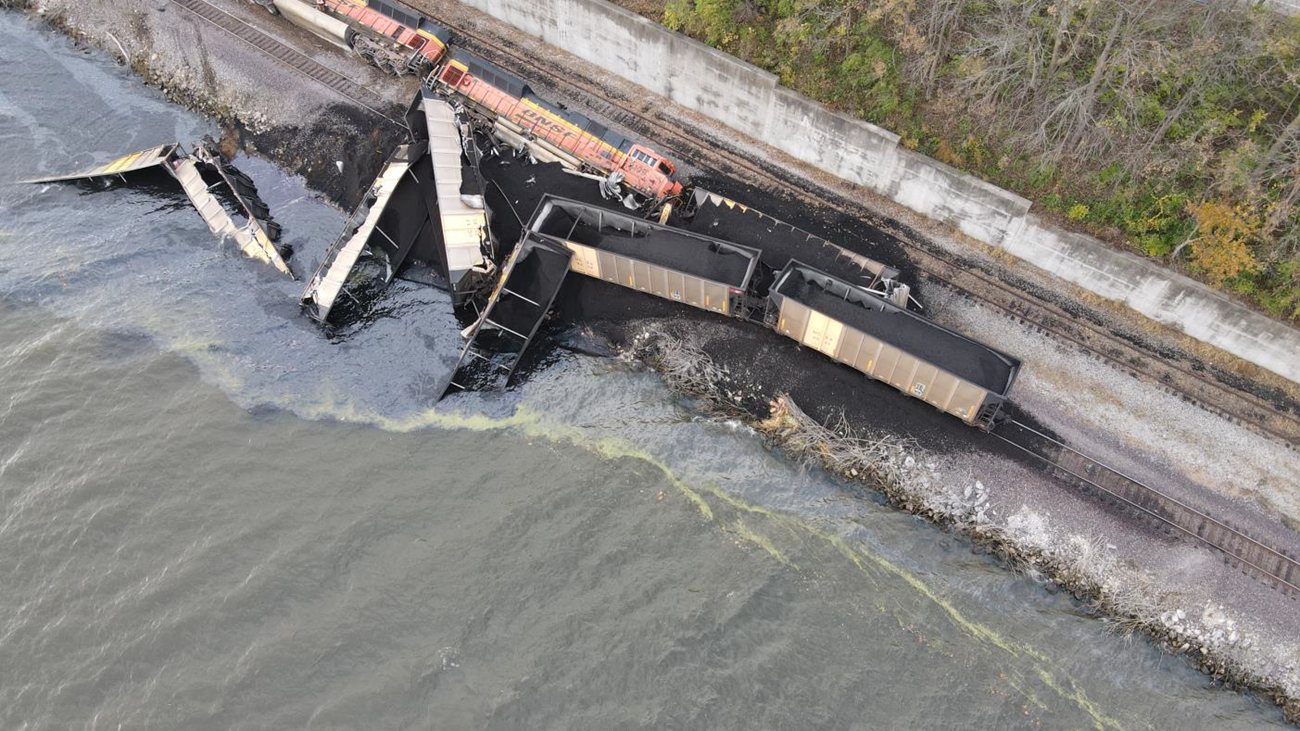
(1222,252)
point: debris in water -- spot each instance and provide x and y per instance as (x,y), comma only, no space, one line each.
(198,173)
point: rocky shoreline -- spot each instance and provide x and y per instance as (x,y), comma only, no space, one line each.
(904,473)
(338,151)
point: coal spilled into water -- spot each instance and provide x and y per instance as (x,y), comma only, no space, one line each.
(213,516)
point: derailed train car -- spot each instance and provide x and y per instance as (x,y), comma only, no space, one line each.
(530,281)
(202,175)
(400,40)
(853,324)
(696,270)
(386,33)
(914,354)
(424,218)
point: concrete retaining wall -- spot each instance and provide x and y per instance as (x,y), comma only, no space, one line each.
(1154,291)
(750,101)
(980,210)
(684,70)
(854,150)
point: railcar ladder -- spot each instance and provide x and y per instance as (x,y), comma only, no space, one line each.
(515,311)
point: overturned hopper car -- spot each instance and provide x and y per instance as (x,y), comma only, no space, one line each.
(917,356)
(424,218)
(460,250)
(530,281)
(201,174)
(678,265)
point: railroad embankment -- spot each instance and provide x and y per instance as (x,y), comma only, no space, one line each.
(1230,626)
(322,136)
(750,101)
(1218,640)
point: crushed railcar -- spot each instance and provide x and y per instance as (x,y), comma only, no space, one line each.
(915,355)
(201,174)
(666,262)
(460,249)
(424,218)
(365,226)
(119,168)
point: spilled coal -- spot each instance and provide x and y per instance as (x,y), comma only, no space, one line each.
(212,515)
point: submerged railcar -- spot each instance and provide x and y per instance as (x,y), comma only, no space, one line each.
(915,355)
(497,94)
(530,281)
(424,218)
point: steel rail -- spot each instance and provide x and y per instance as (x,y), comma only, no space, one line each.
(1243,408)
(292,57)
(1255,558)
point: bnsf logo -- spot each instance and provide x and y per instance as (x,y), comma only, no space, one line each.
(456,77)
(536,119)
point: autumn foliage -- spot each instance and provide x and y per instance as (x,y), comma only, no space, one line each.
(1170,126)
(1225,234)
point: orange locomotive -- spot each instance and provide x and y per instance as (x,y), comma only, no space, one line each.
(498,94)
(384,32)
(400,40)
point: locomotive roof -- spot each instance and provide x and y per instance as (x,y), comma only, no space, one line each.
(491,73)
(516,87)
(582,122)
(438,31)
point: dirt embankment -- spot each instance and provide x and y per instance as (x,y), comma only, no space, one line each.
(913,480)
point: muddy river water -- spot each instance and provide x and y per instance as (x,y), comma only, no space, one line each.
(212,516)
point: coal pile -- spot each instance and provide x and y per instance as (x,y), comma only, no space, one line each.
(666,248)
(779,241)
(911,333)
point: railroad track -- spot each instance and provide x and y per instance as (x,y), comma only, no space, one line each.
(1243,408)
(1256,559)
(291,57)
(1270,566)
(1262,562)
